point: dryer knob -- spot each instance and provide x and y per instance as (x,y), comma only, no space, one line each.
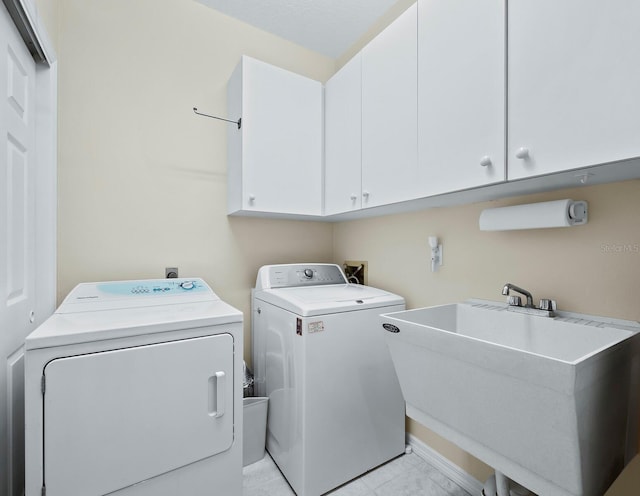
(308,273)
(187,285)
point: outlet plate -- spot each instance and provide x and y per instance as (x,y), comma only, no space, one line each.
(356,271)
(170,272)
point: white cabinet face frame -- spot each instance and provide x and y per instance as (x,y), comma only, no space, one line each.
(461,94)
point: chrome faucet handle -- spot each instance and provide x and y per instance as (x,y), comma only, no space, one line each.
(549,305)
(514,301)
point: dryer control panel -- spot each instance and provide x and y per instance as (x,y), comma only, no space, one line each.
(154,286)
(132,294)
(296,275)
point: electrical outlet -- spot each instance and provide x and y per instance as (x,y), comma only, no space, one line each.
(356,271)
(171,272)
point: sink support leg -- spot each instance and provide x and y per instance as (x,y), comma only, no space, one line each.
(502,484)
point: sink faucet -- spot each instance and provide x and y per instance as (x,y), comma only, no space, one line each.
(508,287)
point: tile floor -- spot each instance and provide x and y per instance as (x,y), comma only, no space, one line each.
(407,475)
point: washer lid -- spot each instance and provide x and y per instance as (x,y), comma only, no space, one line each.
(320,300)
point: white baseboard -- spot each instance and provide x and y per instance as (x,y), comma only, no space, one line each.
(446,466)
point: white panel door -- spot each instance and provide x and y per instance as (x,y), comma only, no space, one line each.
(461,94)
(282,140)
(17,250)
(574,78)
(343,139)
(116,418)
(389,113)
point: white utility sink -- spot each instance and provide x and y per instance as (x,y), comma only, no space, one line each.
(551,402)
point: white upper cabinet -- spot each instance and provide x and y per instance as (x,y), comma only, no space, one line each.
(275,159)
(389,114)
(343,139)
(453,95)
(461,94)
(574,84)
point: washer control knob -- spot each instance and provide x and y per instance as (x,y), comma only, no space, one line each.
(308,273)
(187,285)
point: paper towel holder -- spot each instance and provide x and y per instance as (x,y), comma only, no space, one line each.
(558,213)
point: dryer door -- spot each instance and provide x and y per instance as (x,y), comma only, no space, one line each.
(115,418)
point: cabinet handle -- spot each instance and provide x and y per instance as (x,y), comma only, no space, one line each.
(522,153)
(365,194)
(353,197)
(485,161)
(252,198)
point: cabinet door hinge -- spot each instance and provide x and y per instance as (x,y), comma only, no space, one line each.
(43,388)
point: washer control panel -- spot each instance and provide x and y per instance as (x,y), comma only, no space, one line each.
(296,275)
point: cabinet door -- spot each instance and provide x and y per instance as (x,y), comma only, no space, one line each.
(282,129)
(574,80)
(343,139)
(389,114)
(461,94)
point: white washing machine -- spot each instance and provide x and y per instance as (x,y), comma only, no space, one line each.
(335,405)
(134,388)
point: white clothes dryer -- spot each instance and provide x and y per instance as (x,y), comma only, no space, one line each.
(335,405)
(134,388)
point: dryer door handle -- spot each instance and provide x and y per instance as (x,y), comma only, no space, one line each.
(217,392)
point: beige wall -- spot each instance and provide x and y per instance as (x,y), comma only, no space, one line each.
(142,180)
(48,12)
(584,268)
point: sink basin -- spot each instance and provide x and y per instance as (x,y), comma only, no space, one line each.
(551,402)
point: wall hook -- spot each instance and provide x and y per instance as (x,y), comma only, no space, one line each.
(238,122)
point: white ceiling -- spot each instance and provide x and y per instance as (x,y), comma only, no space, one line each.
(329,27)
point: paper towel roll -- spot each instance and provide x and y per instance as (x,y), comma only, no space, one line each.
(560,213)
